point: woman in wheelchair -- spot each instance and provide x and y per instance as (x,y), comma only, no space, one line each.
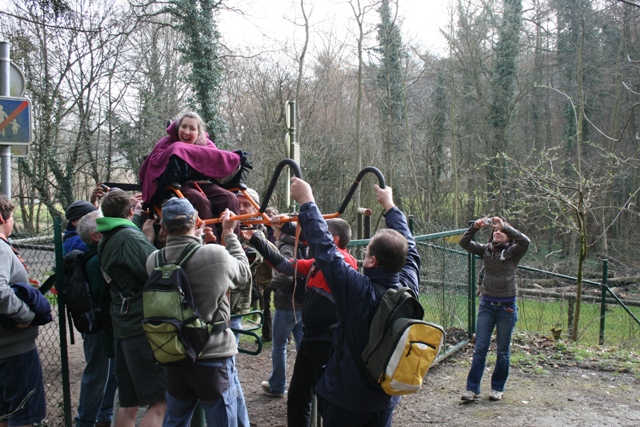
(188,160)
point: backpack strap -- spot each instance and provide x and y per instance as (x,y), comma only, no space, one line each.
(214,326)
(161,256)
(217,325)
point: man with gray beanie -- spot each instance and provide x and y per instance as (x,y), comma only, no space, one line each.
(213,271)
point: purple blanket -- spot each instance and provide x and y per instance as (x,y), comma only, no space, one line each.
(208,160)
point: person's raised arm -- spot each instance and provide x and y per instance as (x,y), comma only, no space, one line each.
(96,195)
(270,253)
(466,241)
(301,191)
(520,239)
(228,225)
(396,220)
(385,197)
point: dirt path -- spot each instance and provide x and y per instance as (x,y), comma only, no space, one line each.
(547,395)
(560,397)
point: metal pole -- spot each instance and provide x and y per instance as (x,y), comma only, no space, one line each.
(603,301)
(471,293)
(5,150)
(62,325)
(366,213)
(367,227)
(294,151)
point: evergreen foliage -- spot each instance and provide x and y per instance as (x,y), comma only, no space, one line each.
(503,78)
(197,21)
(390,83)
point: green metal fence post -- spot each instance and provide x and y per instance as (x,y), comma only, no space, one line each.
(62,326)
(603,300)
(571,301)
(198,420)
(471,294)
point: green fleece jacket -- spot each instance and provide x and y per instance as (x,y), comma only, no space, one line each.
(123,261)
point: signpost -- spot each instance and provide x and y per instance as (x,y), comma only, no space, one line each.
(15,117)
(291,145)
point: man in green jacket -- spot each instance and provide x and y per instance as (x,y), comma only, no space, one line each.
(123,252)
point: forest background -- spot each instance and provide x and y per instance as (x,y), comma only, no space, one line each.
(530,111)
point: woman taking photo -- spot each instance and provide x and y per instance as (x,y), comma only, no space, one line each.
(497,308)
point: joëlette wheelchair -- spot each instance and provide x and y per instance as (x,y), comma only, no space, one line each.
(254,319)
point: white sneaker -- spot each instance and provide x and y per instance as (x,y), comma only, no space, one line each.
(495,395)
(469,396)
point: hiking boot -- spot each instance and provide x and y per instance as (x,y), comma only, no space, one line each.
(267,389)
(495,395)
(469,396)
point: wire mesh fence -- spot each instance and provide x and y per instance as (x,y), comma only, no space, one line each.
(546,304)
(444,289)
(546,300)
(38,251)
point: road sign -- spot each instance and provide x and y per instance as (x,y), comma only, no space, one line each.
(16,80)
(20,150)
(15,121)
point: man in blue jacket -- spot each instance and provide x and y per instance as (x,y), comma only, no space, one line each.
(391,261)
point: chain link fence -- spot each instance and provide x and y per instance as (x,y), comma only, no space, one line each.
(39,253)
(546,300)
(546,304)
(444,282)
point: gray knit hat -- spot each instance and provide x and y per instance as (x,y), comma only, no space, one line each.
(78,209)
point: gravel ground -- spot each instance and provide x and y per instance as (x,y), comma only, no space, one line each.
(562,393)
(559,394)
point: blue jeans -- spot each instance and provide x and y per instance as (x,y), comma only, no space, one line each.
(228,410)
(98,385)
(284,324)
(503,317)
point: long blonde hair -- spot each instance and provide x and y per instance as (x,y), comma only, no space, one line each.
(201,140)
